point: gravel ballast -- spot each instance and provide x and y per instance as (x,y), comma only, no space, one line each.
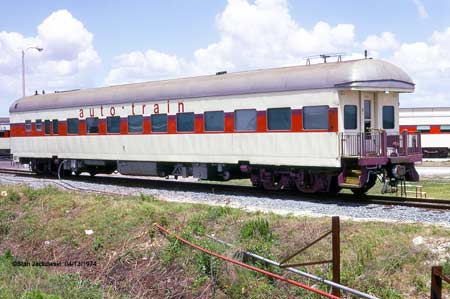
(274,204)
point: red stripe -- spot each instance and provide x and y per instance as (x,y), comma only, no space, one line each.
(18,129)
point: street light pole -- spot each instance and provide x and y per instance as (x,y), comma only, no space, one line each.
(23,66)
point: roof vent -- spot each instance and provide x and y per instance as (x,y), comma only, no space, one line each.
(221,73)
(324,57)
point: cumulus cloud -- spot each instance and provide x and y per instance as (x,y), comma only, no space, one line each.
(262,33)
(384,42)
(252,35)
(421,10)
(429,64)
(68,60)
(138,66)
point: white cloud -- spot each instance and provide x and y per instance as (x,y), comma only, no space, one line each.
(429,65)
(68,60)
(421,10)
(384,42)
(138,66)
(252,35)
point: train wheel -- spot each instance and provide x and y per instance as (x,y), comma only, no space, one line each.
(334,186)
(276,185)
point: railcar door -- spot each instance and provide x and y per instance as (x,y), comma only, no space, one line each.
(367,112)
(371,144)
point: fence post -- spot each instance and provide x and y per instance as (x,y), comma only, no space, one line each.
(436,282)
(336,241)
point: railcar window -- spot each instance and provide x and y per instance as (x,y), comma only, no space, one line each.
(135,123)
(159,122)
(214,121)
(350,117)
(47,127)
(245,120)
(424,129)
(185,122)
(315,118)
(92,125)
(388,117)
(279,118)
(73,126)
(28,125)
(113,124)
(445,128)
(55,126)
(38,125)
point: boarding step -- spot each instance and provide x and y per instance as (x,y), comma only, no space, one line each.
(352,177)
(350,186)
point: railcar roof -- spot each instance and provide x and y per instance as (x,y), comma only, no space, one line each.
(363,74)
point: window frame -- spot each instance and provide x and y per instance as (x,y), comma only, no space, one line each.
(256,120)
(166,117)
(78,126)
(316,106)
(47,125)
(267,117)
(142,124)
(108,118)
(193,121)
(28,126)
(393,115)
(55,132)
(204,121)
(38,128)
(356,116)
(87,127)
(423,130)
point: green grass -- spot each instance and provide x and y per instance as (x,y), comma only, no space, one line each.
(46,224)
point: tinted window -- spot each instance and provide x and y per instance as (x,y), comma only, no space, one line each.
(423,128)
(28,125)
(279,118)
(135,123)
(38,125)
(92,125)
(315,118)
(214,121)
(245,120)
(388,117)
(185,122)
(350,117)
(47,126)
(73,126)
(113,124)
(445,128)
(55,126)
(159,122)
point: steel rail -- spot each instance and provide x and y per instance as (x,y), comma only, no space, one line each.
(298,272)
(244,265)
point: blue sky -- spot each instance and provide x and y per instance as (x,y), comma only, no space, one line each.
(98,43)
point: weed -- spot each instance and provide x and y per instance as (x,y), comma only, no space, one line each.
(13,196)
(258,228)
(97,243)
(147,198)
(38,294)
(216,212)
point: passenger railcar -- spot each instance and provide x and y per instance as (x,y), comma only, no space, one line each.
(317,128)
(434,125)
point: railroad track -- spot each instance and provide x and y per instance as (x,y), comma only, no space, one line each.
(228,189)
